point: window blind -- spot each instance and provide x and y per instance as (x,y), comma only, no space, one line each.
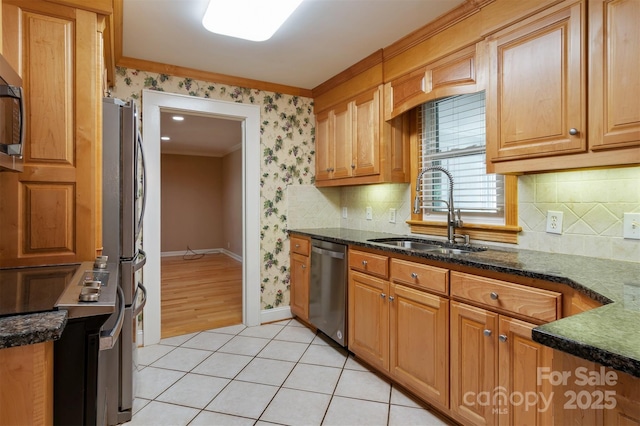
(453,136)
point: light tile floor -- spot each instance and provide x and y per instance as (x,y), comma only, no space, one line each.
(280,373)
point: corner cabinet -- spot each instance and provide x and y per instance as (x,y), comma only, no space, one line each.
(299,277)
(51,211)
(536,102)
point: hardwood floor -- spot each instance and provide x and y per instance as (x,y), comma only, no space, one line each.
(200,294)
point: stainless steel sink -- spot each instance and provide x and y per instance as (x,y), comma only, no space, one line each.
(425,246)
(408,244)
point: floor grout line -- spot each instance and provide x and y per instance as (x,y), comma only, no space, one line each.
(280,387)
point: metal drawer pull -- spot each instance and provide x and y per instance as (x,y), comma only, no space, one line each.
(391,298)
(487,332)
(494,295)
(364,263)
(383,295)
(297,245)
(414,275)
(502,338)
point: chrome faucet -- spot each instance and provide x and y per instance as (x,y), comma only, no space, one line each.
(452,221)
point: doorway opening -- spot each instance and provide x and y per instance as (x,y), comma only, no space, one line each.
(153,102)
(201,222)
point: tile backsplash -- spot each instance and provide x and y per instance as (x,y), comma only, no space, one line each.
(593,203)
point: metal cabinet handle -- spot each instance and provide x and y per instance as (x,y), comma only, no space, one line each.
(502,338)
(303,266)
(383,295)
(487,332)
(494,295)
(353,166)
(391,298)
(414,275)
(573,131)
(364,263)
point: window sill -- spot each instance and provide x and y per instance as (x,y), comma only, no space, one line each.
(495,233)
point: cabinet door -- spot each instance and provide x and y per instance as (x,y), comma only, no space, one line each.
(299,286)
(614,80)
(369,319)
(51,210)
(419,333)
(342,138)
(366,149)
(474,360)
(536,105)
(324,149)
(520,358)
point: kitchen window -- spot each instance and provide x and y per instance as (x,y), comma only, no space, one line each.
(451,135)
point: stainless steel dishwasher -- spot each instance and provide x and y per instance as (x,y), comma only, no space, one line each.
(328,289)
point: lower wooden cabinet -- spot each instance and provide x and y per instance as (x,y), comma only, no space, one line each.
(26,387)
(403,332)
(494,368)
(299,277)
(369,319)
(419,342)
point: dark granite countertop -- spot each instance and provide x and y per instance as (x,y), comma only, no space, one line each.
(20,330)
(609,335)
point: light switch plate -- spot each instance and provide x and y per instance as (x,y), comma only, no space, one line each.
(631,226)
(554,222)
(369,213)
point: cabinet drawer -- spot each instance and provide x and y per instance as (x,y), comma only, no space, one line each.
(300,245)
(419,275)
(534,303)
(369,263)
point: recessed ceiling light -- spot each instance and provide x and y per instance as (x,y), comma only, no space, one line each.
(260,18)
(165,138)
(178,118)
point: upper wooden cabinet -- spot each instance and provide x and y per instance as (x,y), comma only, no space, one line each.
(614,80)
(355,146)
(458,73)
(536,101)
(51,211)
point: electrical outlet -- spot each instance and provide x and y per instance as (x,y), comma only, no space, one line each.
(369,213)
(392,215)
(344,212)
(554,222)
(631,226)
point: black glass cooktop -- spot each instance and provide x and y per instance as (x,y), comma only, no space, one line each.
(33,289)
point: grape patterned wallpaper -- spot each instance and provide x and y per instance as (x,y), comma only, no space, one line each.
(287,145)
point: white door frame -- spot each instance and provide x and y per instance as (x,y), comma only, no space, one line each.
(152,103)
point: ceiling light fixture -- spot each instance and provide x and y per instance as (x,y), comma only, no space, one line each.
(165,138)
(258,19)
(178,118)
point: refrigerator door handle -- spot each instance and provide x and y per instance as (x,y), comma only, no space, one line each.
(142,259)
(139,307)
(108,338)
(144,183)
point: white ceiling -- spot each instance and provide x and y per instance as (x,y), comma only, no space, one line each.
(199,134)
(321,39)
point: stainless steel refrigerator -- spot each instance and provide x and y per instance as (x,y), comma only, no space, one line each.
(123,200)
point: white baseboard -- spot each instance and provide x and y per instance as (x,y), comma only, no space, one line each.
(201,251)
(275,314)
